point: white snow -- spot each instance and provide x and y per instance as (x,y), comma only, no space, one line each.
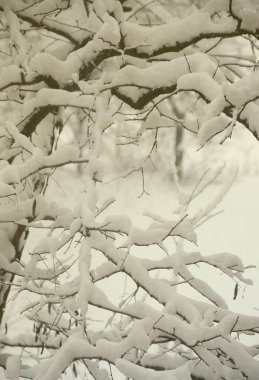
(212,127)
(138,373)
(13,367)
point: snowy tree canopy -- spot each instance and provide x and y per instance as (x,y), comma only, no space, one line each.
(80,79)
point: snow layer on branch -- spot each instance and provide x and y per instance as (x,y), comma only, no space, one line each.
(20,139)
(212,127)
(98,298)
(59,97)
(8,266)
(215,107)
(216,6)
(244,363)
(226,262)
(6,190)
(85,287)
(120,223)
(73,348)
(7,254)
(11,214)
(244,90)
(10,174)
(9,75)
(164,75)
(157,232)
(18,40)
(47,65)
(47,244)
(137,372)
(15,173)
(203,288)
(250,19)
(175,33)
(13,367)
(202,83)
(67,27)
(104,269)
(166,361)
(251,114)
(138,338)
